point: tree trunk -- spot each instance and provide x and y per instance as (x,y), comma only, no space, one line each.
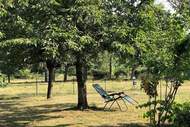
(81,74)
(50,79)
(9,78)
(53,79)
(3,79)
(110,67)
(46,75)
(66,72)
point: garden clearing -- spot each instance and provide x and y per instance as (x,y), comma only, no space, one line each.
(21,107)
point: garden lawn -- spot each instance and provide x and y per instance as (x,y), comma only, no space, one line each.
(20,107)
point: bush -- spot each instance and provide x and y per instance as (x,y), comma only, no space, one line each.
(3,84)
(23,74)
(120,73)
(181,115)
(99,74)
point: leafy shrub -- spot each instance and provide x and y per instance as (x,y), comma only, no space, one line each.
(99,74)
(23,74)
(120,73)
(181,115)
(71,71)
(3,84)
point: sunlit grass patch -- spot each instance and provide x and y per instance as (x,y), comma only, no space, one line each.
(20,106)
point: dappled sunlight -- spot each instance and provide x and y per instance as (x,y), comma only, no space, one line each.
(21,107)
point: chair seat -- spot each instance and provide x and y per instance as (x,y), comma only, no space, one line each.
(129,99)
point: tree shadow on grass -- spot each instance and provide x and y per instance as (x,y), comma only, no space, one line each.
(6,97)
(131,125)
(124,125)
(14,114)
(61,125)
(94,108)
(90,108)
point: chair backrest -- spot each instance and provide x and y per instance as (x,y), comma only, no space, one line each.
(102,92)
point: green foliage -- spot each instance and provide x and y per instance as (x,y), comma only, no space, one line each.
(3,84)
(38,68)
(23,74)
(150,86)
(163,53)
(84,26)
(159,110)
(137,32)
(180,115)
(99,74)
(101,62)
(120,73)
(182,7)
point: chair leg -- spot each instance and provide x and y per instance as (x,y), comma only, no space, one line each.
(111,104)
(124,103)
(105,105)
(119,105)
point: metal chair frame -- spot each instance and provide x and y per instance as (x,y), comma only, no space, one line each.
(114,97)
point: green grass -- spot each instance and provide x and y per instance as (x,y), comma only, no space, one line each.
(20,107)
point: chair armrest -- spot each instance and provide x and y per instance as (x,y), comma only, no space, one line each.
(116,93)
(110,91)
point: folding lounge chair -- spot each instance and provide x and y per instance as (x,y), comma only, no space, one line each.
(114,97)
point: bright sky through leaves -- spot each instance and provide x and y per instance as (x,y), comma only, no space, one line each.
(165,3)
